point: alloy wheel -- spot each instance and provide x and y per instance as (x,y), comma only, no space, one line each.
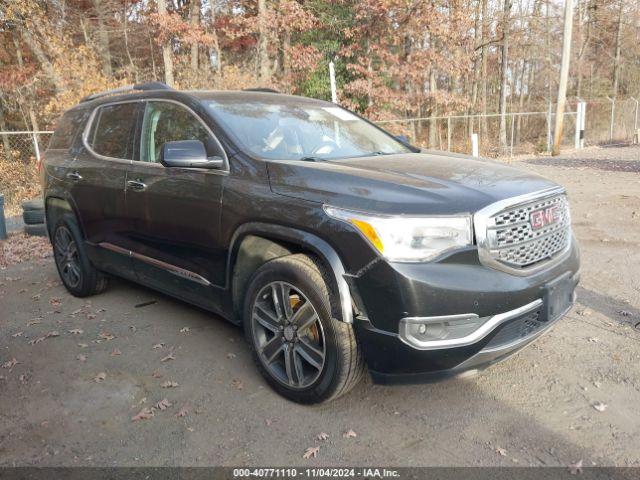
(66,255)
(288,335)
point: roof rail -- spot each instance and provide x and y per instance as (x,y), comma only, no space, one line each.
(261,89)
(128,88)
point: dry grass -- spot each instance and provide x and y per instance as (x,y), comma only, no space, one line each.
(19,181)
(20,247)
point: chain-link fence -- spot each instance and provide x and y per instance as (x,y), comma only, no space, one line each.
(605,122)
(23,146)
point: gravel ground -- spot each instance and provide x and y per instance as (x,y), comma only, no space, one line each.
(571,396)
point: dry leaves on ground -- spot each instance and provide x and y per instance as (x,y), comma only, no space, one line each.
(182,412)
(311,452)
(349,434)
(185,330)
(116,352)
(20,247)
(10,364)
(76,331)
(102,376)
(501,452)
(599,406)
(163,404)
(158,345)
(169,384)
(81,358)
(171,356)
(145,414)
(237,383)
(322,436)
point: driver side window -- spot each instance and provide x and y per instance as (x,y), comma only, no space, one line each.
(167,122)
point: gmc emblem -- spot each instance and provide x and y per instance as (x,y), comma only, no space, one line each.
(543,217)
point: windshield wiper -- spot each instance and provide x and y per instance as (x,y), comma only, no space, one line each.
(311,159)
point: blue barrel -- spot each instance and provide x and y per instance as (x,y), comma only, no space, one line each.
(3,222)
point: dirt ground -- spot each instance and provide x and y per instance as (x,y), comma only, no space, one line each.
(85,368)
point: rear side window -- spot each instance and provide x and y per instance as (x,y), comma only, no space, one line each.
(111,132)
(66,130)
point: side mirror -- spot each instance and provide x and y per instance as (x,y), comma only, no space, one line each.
(403,139)
(188,154)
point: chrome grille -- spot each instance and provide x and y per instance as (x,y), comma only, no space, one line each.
(509,239)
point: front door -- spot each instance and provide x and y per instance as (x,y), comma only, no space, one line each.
(173,214)
(97,178)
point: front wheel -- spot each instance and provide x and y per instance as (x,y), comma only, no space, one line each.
(77,273)
(306,355)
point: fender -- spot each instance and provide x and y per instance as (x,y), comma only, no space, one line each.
(304,239)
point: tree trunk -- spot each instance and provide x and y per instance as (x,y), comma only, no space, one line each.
(167,57)
(564,75)
(134,70)
(483,76)
(433,123)
(216,44)
(503,74)
(47,67)
(264,69)
(477,35)
(103,38)
(195,22)
(5,137)
(616,61)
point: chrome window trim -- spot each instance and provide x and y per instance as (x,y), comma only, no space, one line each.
(485,329)
(85,134)
(481,220)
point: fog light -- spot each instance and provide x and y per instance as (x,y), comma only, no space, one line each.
(438,332)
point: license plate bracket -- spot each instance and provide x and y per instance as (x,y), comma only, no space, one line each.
(558,296)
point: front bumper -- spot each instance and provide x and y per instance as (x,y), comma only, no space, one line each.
(386,294)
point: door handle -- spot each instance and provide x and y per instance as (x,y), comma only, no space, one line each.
(75,176)
(136,185)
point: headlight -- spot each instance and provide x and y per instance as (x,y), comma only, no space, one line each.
(408,239)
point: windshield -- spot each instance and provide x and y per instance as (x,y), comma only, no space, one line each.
(279,131)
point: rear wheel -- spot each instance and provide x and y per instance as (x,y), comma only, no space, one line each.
(304,354)
(77,273)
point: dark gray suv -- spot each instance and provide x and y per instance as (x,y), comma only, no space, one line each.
(334,244)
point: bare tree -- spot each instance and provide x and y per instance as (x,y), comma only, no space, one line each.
(167,58)
(506,26)
(564,75)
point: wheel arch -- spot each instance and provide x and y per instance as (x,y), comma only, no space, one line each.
(271,241)
(54,209)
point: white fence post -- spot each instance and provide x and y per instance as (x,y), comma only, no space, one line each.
(448,134)
(332,81)
(36,148)
(576,139)
(583,122)
(611,121)
(474,145)
(549,128)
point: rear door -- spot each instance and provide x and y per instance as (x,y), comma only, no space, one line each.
(174,213)
(97,178)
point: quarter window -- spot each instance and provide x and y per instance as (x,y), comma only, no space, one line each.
(66,130)
(168,122)
(111,131)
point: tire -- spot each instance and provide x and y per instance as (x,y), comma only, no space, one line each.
(37,230)
(35,204)
(77,273)
(310,376)
(33,217)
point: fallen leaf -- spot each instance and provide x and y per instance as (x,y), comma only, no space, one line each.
(592,340)
(106,336)
(144,414)
(158,345)
(34,322)
(182,412)
(311,452)
(501,451)
(76,331)
(52,333)
(575,468)
(237,383)
(168,357)
(17,334)
(81,357)
(83,345)
(350,434)
(185,330)
(36,340)
(116,352)
(599,406)
(322,436)
(10,364)
(624,313)
(169,384)
(156,374)
(100,377)
(55,302)
(91,316)
(163,404)
(231,355)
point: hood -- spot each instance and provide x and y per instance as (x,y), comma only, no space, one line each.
(414,183)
